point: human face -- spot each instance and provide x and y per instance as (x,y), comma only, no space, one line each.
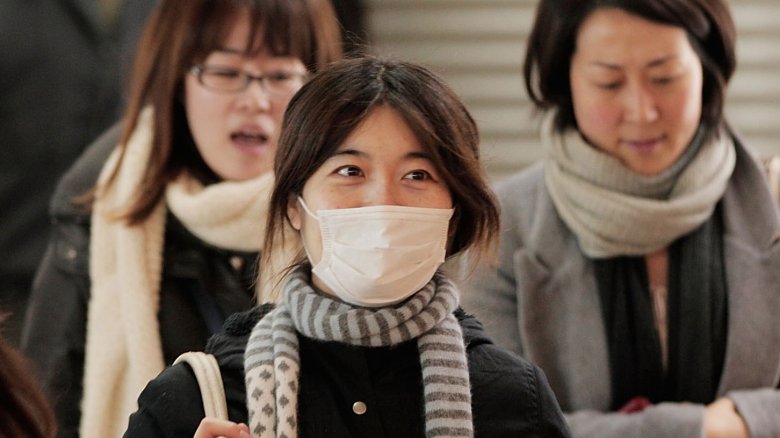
(236,133)
(380,163)
(636,88)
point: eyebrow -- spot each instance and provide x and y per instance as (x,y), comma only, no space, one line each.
(229,51)
(357,153)
(651,64)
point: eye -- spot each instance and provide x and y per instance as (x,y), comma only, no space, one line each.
(663,80)
(280,76)
(226,73)
(349,171)
(609,86)
(418,175)
(222,78)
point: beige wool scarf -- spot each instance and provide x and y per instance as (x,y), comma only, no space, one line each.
(123,345)
(614,211)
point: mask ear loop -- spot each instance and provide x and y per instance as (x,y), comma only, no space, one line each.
(303,241)
(306,209)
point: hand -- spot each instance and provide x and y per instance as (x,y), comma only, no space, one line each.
(721,420)
(213,428)
(636,404)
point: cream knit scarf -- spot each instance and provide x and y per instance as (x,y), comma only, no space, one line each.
(614,211)
(123,346)
(272,364)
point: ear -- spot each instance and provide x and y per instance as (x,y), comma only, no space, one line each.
(294,212)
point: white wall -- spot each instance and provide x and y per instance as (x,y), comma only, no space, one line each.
(478,47)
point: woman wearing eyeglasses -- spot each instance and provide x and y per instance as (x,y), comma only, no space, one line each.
(167,247)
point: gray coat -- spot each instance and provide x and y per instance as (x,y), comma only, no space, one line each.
(542,302)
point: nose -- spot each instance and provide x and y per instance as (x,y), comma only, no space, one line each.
(255,97)
(640,104)
(382,192)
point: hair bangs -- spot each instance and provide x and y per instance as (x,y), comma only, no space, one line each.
(290,34)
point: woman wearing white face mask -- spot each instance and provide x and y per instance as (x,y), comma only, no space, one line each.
(378,179)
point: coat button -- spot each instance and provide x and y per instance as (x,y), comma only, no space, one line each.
(70,253)
(236,262)
(359,408)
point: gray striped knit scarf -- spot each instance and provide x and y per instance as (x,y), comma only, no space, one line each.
(272,363)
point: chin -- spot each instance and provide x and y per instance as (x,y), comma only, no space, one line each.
(649,169)
(252,175)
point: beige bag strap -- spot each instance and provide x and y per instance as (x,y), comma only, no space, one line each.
(209,379)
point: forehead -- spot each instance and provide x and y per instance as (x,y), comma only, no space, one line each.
(239,34)
(384,132)
(613,35)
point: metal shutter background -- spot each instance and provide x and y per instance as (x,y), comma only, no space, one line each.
(478,47)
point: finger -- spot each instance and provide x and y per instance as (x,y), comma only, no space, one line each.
(211,428)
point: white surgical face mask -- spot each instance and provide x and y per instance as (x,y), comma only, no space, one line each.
(380,255)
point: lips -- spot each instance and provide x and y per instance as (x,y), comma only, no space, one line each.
(250,137)
(645,144)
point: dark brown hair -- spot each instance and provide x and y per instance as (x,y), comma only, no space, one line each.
(552,43)
(328,108)
(181,33)
(23,412)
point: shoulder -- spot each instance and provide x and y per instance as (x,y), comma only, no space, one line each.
(486,358)
(521,188)
(229,345)
(71,222)
(529,218)
(83,174)
(525,204)
(170,405)
(510,395)
(750,209)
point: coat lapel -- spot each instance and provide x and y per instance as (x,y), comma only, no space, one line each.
(563,327)
(752,253)
(753,343)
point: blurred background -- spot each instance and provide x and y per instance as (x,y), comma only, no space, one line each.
(477,45)
(65,63)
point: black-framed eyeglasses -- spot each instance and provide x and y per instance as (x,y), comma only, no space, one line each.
(230,80)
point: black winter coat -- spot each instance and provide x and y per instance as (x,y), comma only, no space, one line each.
(510,396)
(201,285)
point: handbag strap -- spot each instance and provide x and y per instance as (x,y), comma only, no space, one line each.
(207,373)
